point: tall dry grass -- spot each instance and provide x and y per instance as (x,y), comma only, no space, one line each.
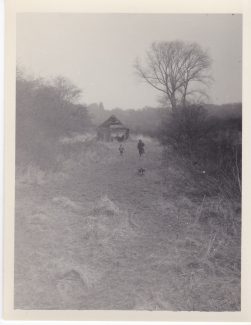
(206,219)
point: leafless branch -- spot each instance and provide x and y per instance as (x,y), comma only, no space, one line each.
(172,67)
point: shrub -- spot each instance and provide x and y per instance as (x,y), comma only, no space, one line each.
(211,143)
(45,111)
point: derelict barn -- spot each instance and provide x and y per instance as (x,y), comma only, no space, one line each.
(112,129)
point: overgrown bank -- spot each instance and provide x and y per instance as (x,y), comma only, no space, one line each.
(93,234)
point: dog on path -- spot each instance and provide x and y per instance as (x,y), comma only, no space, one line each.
(141,171)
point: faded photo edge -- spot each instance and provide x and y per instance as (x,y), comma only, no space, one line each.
(12,7)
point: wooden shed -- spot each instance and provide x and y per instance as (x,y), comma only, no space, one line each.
(112,129)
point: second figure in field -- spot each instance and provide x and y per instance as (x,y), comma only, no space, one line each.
(121,149)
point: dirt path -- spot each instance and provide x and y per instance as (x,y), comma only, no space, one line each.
(119,181)
(58,222)
(99,236)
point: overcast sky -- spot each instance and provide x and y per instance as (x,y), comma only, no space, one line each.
(97,51)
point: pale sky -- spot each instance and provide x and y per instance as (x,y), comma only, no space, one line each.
(97,51)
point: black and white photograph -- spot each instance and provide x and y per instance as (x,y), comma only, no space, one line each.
(128,162)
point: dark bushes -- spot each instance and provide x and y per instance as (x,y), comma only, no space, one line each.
(45,111)
(210,143)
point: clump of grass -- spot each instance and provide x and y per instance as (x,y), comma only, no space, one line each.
(206,269)
(205,226)
(106,228)
(32,174)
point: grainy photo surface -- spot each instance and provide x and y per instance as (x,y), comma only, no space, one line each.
(128,162)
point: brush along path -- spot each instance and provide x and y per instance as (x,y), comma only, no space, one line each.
(99,236)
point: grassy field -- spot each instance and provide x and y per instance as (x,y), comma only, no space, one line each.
(96,235)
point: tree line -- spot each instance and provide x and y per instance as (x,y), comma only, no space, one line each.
(45,111)
(204,134)
(181,72)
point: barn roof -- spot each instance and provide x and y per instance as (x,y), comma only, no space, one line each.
(112,121)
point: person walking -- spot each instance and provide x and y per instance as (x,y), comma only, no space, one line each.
(121,149)
(141,146)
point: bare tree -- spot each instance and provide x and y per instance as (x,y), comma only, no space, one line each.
(66,90)
(177,69)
